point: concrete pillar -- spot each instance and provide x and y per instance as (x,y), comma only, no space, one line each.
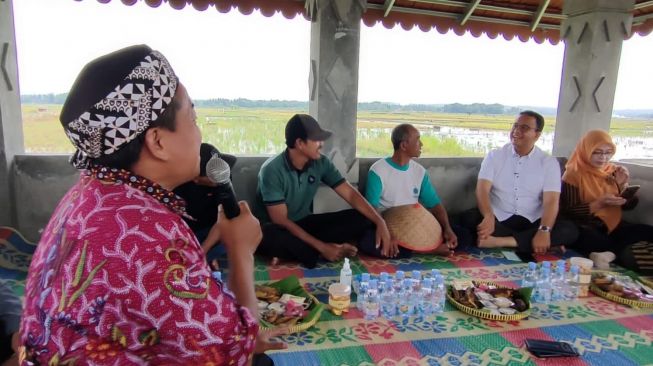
(11,128)
(333,81)
(593,33)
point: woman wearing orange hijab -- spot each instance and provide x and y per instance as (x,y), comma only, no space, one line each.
(591,186)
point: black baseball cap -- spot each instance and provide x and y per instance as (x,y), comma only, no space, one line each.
(305,127)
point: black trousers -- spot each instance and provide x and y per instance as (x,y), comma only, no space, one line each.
(333,227)
(596,239)
(563,233)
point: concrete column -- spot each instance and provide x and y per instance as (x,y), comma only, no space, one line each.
(11,128)
(593,33)
(333,81)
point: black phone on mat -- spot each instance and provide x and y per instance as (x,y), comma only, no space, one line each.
(542,348)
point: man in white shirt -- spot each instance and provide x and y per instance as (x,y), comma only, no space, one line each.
(399,180)
(517,193)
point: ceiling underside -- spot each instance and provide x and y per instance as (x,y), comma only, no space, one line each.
(539,20)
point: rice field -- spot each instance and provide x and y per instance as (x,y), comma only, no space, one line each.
(261,131)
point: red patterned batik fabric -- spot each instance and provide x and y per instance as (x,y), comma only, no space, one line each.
(118,278)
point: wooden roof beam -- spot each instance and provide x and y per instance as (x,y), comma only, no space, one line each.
(470,10)
(443,14)
(387,6)
(538,14)
(644,4)
(501,9)
(641,19)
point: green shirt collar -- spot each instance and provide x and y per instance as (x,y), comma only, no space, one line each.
(397,166)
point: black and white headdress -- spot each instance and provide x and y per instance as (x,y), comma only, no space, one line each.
(114,99)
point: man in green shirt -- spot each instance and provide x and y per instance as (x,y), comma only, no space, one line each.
(287,184)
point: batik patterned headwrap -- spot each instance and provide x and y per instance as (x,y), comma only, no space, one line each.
(125,112)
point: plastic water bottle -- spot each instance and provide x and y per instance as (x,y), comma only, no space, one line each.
(537,295)
(345,274)
(573,283)
(435,272)
(558,282)
(383,276)
(416,279)
(546,264)
(362,290)
(530,275)
(398,282)
(439,294)
(372,303)
(406,300)
(544,286)
(425,298)
(388,300)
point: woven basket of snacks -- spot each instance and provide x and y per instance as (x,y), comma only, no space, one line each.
(487,300)
(621,289)
(287,303)
(647,280)
(414,227)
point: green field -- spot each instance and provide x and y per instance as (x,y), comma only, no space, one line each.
(261,131)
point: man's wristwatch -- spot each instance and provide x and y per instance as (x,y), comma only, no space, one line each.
(544,228)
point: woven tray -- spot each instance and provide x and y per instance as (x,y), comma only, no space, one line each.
(648,281)
(291,285)
(484,314)
(606,295)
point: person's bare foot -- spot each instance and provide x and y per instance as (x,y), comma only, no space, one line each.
(442,250)
(497,242)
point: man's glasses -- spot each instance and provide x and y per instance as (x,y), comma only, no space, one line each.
(599,153)
(522,128)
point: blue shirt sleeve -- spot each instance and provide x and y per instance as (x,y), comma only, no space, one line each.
(373,189)
(427,194)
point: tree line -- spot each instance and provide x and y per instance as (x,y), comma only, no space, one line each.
(474,108)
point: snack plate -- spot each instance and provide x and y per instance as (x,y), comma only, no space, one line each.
(618,299)
(484,314)
(291,285)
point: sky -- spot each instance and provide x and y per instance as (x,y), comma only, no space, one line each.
(255,57)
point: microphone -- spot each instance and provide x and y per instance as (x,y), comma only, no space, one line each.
(218,171)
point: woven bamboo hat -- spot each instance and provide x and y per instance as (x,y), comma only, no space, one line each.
(414,227)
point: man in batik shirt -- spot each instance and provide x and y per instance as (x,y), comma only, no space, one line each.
(118,277)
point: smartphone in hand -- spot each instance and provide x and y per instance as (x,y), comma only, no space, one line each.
(629,192)
(542,348)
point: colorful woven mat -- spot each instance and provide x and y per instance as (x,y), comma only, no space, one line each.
(604,333)
(15,256)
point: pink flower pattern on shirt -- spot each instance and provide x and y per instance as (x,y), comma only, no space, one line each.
(118,278)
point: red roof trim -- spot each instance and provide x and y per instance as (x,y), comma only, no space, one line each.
(476,26)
